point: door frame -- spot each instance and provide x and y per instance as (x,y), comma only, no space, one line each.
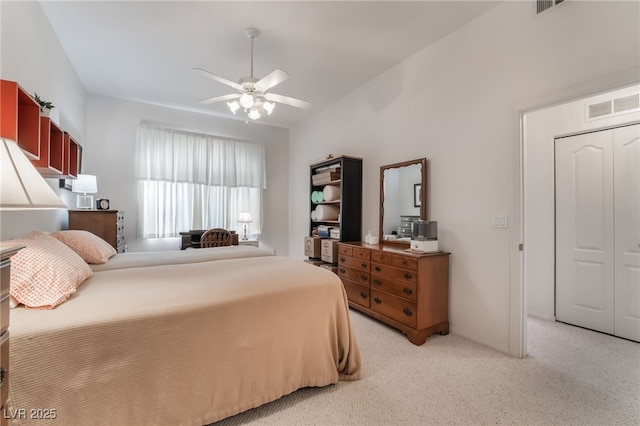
(521,263)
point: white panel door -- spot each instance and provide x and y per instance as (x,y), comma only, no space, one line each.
(584,231)
(626,141)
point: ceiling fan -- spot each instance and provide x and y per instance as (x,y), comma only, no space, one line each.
(252,93)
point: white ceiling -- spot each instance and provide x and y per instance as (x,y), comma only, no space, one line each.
(145,50)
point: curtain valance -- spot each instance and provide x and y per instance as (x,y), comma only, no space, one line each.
(169,155)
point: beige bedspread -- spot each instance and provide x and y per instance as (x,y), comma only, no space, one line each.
(184,344)
(175,257)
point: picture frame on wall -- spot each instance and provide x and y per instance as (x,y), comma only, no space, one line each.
(417,199)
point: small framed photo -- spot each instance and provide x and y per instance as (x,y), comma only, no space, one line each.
(417,195)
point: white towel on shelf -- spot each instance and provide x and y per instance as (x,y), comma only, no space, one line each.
(331,193)
(327,212)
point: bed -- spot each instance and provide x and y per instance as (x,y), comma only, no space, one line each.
(186,343)
(174,257)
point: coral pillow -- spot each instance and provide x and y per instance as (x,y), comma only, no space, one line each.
(89,247)
(46,272)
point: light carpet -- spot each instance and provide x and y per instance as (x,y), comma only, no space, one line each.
(571,376)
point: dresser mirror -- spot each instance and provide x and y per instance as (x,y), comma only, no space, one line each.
(402,199)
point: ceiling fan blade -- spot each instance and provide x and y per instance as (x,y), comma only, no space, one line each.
(287,100)
(218,78)
(220,98)
(272,79)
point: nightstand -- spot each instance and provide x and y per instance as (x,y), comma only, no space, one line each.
(248,242)
(5,275)
(106,224)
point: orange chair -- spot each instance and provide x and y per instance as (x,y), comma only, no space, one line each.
(216,237)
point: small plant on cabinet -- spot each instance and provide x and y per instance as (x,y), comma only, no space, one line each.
(43,104)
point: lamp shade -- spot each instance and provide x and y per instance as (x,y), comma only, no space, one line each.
(21,185)
(245,217)
(86,184)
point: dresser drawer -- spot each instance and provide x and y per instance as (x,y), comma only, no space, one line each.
(381,257)
(4,313)
(397,288)
(4,368)
(360,253)
(394,273)
(357,275)
(5,277)
(405,262)
(344,250)
(357,293)
(396,308)
(353,262)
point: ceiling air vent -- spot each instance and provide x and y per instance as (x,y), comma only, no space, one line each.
(600,109)
(611,107)
(626,103)
(542,5)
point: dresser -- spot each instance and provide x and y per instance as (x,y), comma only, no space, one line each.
(5,277)
(406,290)
(106,224)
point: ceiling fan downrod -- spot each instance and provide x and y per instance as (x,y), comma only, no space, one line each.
(252,33)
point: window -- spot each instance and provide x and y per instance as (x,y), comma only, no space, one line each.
(195,181)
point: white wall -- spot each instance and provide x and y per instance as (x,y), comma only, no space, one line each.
(456,103)
(109,151)
(32,56)
(540,129)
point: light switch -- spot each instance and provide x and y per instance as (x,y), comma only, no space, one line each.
(500,221)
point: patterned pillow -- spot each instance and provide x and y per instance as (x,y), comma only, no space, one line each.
(89,247)
(46,272)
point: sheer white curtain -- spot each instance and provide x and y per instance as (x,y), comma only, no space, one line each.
(195,181)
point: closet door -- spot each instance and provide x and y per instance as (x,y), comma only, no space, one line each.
(626,141)
(584,231)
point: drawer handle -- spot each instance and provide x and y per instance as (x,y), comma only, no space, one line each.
(364,277)
(363,295)
(377,281)
(378,269)
(407,290)
(364,264)
(377,300)
(342,270)
(342,260)
(407,312)
(408,276)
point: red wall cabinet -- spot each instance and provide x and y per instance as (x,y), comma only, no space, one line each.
(51,150)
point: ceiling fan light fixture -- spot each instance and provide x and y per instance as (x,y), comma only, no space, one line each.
(247,100)
(254,113)
(268,107)
(233,106)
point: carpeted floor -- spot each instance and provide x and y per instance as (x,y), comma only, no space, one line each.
(572,376)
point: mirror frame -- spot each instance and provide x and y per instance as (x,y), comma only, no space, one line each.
(423,195)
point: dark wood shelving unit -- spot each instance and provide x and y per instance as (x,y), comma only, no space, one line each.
(350,202)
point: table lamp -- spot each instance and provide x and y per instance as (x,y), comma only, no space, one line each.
(245,218)
(84,184)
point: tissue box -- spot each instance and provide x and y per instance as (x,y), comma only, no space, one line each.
(312,247)
(324,231)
